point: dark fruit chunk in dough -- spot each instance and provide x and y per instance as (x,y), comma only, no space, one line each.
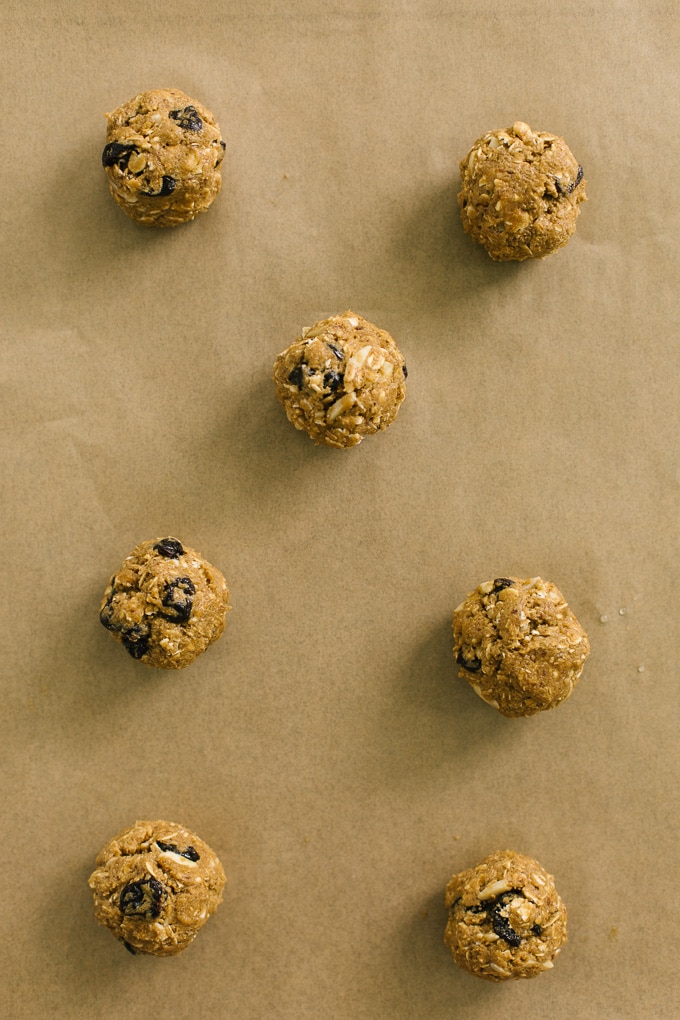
(136,640)
(118,155)
(169,547)
(177,599)
(187,118)
(142,899)
(189,853)
(168,185)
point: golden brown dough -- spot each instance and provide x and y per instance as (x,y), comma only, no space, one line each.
(520,192)
(506,919)
(162,157)
(166,604)
(518,645)
(342,380)
(155,885)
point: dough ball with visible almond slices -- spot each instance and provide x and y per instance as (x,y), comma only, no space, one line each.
(343,379)
(155,885)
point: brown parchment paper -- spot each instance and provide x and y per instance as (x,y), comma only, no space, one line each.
(325,747)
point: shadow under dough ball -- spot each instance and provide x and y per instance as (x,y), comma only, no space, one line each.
(166,604)
(342,380)
(506,919)
(520,193)
(518,645)
(162,157)
(155,885)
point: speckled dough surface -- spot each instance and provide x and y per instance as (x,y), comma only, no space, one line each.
(520,193)
(506,920)
(162,157)
(155,885)
(519,645)
(166,604)
(341,380)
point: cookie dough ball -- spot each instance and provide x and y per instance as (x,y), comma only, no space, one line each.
(166,604)
(518,645)
(162,157)
(342,380)
(506,920)
(520,193)
(155,885)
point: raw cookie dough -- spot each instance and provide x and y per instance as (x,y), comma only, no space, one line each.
(155,886)
(166,604)
(342,380)
(162,157)
(520,193)
(506,919)
(519,645)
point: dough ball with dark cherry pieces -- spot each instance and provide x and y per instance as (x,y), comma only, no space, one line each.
(506,920)
(519,645)
(155,885)
(166,604)
(341,380)
(520,193)
(162,157)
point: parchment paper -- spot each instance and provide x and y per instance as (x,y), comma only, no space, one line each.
(325,747)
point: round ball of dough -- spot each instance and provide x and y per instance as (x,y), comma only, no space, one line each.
(166,604)
(341,380)
(155,885)
(506,920)
(519,645)
(520,193)
(162,157)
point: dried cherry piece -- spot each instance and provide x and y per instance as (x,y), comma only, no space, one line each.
(115,154)
(500,924)
(135,640)
(190,853)
(472,666)
(168,185)
(177,598)
(106,614)
(333,380)
(170,548)
(143,898)
(502,582)
(188,118)
(503,929)
(574,184)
